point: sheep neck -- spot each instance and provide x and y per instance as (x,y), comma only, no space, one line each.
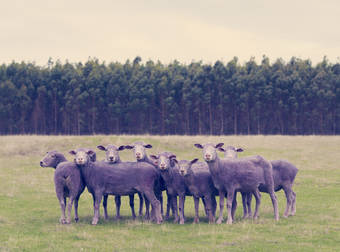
(214,166)
(86,171)
(189,177)
(60,158)
(167,176)
(214,170)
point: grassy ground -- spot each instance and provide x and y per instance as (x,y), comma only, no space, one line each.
(29,210)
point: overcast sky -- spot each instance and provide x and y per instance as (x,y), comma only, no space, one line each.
(186,30)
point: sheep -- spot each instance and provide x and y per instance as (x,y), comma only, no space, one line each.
(112,157)
(139,152)
(67,181)
(284,174)
(174,182)
(244,175)
(122,178)
(199,182)
(231,152)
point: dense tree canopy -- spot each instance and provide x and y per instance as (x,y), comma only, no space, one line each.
(137,98)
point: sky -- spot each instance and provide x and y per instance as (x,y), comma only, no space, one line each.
(184,30)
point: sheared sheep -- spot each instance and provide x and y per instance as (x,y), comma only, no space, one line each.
(174,182)
(244,175)
(67,182)
(122,178)
(139,151)
(112,157)
(284,174)
(198,180)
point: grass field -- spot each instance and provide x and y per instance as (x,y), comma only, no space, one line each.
(29,210)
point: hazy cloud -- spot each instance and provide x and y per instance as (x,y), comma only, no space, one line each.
(168,30)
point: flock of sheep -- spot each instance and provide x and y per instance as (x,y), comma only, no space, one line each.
(150,175)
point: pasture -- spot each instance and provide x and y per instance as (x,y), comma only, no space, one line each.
(29,210)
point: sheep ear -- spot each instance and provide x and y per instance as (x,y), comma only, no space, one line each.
(129,147)
(239,150)
(72,152)
(221,149)
(153,157)
(122,147)
(172,157)
(194,161)
(101,147)
(219,145)
(148,146)
(175,160)
(199,146)
(90,152)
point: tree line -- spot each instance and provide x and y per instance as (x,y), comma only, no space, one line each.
(95,97)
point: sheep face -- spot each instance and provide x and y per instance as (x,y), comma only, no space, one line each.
(111,152)
(230,151)
(164,161)
(185,166)
(209,151)
(50,159)
(82,156)
(139,150)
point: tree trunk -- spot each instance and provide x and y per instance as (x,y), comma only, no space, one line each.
(55,113)
(210,119)
(235,121)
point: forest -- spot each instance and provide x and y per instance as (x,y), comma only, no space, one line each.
(289,98)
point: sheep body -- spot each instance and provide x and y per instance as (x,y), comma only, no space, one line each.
(244,175)
(67,182)
(284,174)
(112,157)
(123,178)
(199,182)
(174,183)
(139,151)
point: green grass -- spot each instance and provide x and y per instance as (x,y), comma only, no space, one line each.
(29,210)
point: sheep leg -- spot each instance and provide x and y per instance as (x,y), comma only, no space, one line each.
(220,217)
(97,200)
(249,197)
(105,206)
(156,210)
(132,205)
(161,201)
(213,205)
(118,203)
(62,219)
(196,202)
(244,203)
(274,202)
(147,209)
(234,206)
(141,203)
(205,206)
(293,209)
(288,193)
(174,208)
(181,209)
(168,206)
(209,202)
(76,218)
(69,209)
(257,196)
(230,200)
